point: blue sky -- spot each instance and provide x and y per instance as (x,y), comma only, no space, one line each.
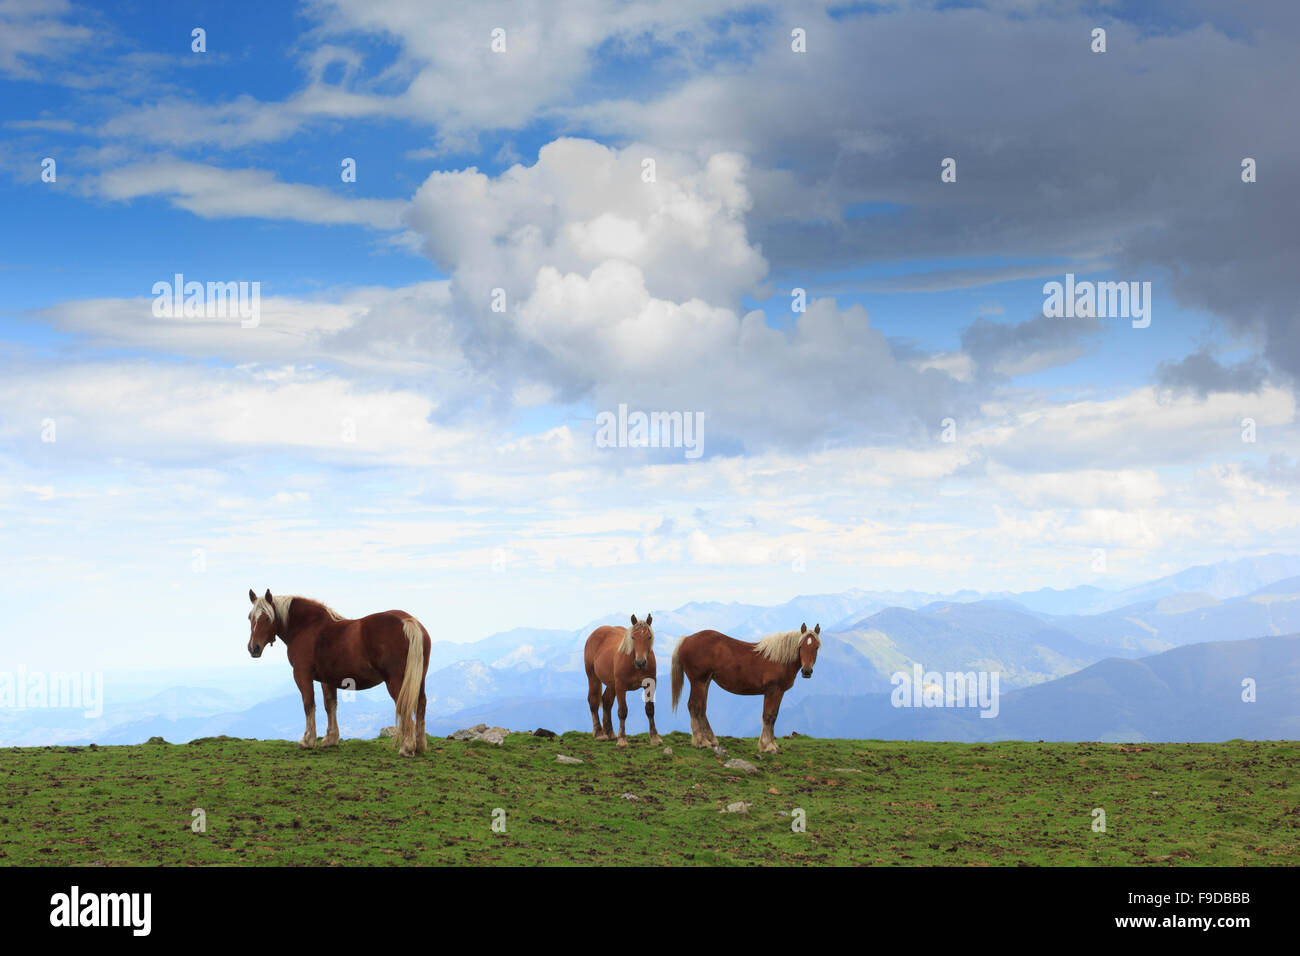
(193,459)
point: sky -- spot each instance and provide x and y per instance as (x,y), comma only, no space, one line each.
(555,214)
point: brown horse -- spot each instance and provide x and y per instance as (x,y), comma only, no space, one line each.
(390,647)
(768,668)
(622,658)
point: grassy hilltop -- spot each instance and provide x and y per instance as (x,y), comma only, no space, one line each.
(866,802)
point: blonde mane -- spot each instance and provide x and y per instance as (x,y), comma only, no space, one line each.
(626,645)
(783,648)
(278,609)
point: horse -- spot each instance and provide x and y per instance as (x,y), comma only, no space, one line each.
(390,647)
(768,668)
(621,658)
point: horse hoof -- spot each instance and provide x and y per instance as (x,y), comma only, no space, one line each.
(622,741)
(656,740)
(599,735)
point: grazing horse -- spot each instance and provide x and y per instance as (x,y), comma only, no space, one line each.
(768,668)
(390,647)
(621,658)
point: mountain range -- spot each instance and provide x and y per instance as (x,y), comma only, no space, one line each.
(1146,662)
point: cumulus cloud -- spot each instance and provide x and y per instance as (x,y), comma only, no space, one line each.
(618,290)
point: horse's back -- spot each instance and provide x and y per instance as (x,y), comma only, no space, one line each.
(710,641)
(712,655)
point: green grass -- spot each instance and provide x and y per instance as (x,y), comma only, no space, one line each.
(910,803)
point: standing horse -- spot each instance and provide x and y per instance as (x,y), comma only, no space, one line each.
(621,658)
(390,647)
(768,668)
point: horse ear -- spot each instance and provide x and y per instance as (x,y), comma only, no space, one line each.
(268,595)
(252,598)
(817,629)
(803,628)
(649,618)
(634,620)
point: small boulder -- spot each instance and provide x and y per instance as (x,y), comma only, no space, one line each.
(740,806)
(630,796)
(735,763)
(493,735)
(563,759)
(668,751)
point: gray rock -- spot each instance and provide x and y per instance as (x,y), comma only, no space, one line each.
(668,751)
(739,806)
(735,763)
(630,796)
(844,770)
(720,750)
(388,732)
(563,759)
(493,735)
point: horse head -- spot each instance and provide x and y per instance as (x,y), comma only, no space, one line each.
(261,622)
(642,639)
(809,643)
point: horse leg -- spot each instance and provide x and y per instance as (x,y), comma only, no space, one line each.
(622,715)
(303,680)
(607,706)
(331,695)
(771,704)
(655,739)
(699,700)
(706,728)
(394,684)
(421,738)
(593,701)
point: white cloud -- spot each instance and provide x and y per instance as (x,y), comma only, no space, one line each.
(215,193)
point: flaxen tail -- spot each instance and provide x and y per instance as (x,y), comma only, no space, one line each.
(409,693)
(677,673)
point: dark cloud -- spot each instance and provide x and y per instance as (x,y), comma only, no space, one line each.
(1202,374)
(1006,348)
(1133,155)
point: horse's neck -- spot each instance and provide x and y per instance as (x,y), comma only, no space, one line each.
(301,615)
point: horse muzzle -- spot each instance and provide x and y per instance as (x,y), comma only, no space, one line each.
(640,665)
(807,672)
(255,651)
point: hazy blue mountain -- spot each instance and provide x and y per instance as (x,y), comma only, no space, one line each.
(1191,693)
(989,636)
(1190,618)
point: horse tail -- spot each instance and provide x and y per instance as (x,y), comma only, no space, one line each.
(677,673)
(409,693)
